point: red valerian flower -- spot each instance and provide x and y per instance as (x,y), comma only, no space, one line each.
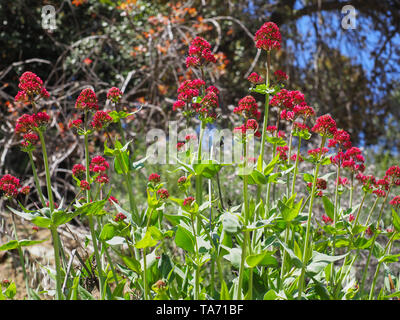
(340,138)
(87,100)
(282,152)
(395,202)
(320,185)
(369,231)
(30,139)
(31,85)
(79,170)
(112,200)
(24,124)
(189,89)
(179,104)
(342,181)
(163,194)
(187,202)
(119,217)
(101,120)
(325,126)
(182,180)
(21,97)
(351,217)
(379,192)
(102,178)
(25,190)
(114,94)
(77,124)
(294,157)
(254,78)
(271,129)
(154,178)
(84,185)
(394,174)
(315,152)
(268,37)
(199,53)
(326,219)
(247,108)
(41,120)
(9,186)
(98,164)
(180,146)
(280,76)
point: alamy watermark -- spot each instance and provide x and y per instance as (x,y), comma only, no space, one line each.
(349,20)
(49,18)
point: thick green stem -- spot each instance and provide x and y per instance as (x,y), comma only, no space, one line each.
(335,213)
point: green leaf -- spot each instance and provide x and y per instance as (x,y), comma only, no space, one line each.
(289,213)
(319,261)
(264,259)
(328,206)
(207,170)
(389,258)
(184,239)
(270,295)
(61,217)
(271,165)
(11,291)
(92,208)
(132,263)
(231,223)
(275,140)
(108,232)
(147,241)
(224,295)
(13,244)
(41,222)
(27,243)
(396,220)
(308,177)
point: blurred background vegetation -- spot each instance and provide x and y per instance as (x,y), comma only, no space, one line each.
(140,47)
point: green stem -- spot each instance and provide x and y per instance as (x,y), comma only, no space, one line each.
(335,213)
(296,166)
(373,242)
(371,292)
(36,178)
(246,233)
(307,239)
(21,258)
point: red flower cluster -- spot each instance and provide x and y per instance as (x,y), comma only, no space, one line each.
(206,108)
(393,173)
(154,178)
(87,100)
(28,123)
(268,37)
(395,202)
(30,85)
(101,120)
(9,186)
(114,94)
(112,200)
(187,202)
(254,78)
(79,170)
(316,152)
(119,217)
(280,76)
(250,127)
(163,194)
(199,53)
(247,108)
(282,152)
(30,139)
(77,124)
(352,159)
(341,138)
(326,219)
(325,126)
(99,165)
